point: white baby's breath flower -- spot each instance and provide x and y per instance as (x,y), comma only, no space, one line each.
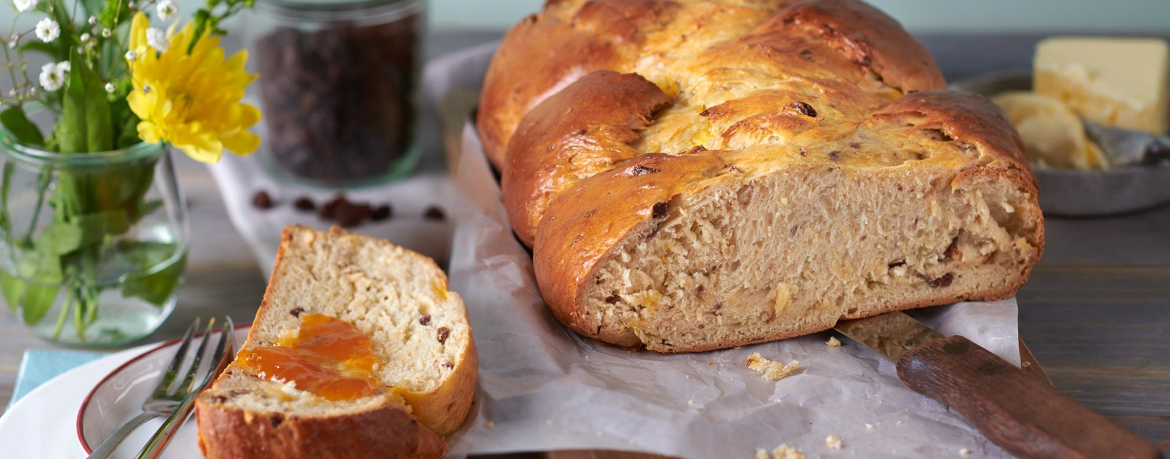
(48,30)
(92,20)
(157,39)
(167,10)
(84,37)
(132,5)
(110,88)
(131,55)
(13,41)
(12,92)
(24,5)
(62,70)
(107,32)
(51,80)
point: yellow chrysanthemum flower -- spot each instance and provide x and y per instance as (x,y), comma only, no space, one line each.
(190,99)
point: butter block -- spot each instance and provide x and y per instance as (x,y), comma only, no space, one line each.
(1117,82)
(1053,135)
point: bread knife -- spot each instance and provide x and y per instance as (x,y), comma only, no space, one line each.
(1016,411)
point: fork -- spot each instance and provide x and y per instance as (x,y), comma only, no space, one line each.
(165,400)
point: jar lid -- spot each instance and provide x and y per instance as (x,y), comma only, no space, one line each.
(340,9)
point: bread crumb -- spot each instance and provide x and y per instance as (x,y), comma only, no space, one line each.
(833,442)
(833,342)
(290,389)
(712,363)
(772,371)
(898,423)
(868,426)
(490,424)
(781,452)
(786,452)
(965,452)
(690,402)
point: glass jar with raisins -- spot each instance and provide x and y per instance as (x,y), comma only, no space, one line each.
(339,88)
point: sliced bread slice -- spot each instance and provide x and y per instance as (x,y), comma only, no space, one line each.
(419,333)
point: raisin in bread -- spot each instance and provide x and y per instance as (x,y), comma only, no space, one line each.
(694,175)
(419,333)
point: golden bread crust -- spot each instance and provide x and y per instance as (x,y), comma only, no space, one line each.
(386,432)
(690,97)
(445,409)
(619,106)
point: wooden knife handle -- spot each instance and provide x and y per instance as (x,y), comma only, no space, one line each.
(1014,410)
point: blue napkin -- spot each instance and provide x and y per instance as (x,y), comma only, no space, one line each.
(41,365)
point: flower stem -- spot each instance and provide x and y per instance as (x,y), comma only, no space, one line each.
(64,313)
(8,55)
(79,312)
(43,184)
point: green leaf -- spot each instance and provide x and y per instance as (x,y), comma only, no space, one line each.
(5,185)
(156,287)
(52,50)
(12,289)
(95,7)
(125,121)
(128,135)
(147,208)
(147,255)
(99,224)
(38,300)
(85,124)
(60,238)
(32,300)
(16,122)
(41,267)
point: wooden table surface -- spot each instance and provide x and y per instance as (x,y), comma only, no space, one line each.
(1096,312)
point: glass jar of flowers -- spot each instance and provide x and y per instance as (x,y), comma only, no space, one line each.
(93,226)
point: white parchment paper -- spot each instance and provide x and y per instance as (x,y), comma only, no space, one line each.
(545,388)
(240,178)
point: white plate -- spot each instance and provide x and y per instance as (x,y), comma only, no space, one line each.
(53,421)
(118,397)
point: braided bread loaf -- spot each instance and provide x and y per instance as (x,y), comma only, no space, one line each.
(693,175)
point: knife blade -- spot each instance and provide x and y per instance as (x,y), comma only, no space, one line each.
(1016,411)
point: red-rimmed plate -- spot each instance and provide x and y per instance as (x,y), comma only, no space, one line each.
(119,395)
